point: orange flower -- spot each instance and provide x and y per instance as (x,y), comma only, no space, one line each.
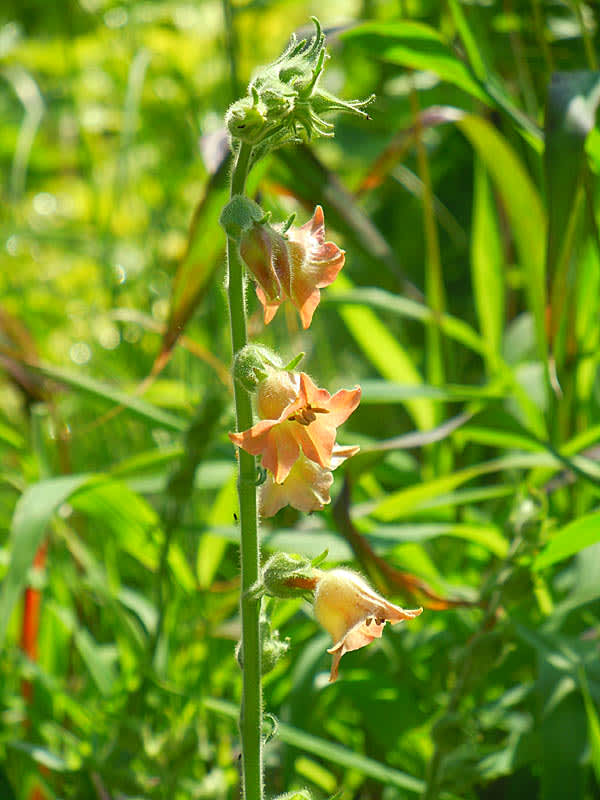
(295,265)
(296,416)
(352,613)
(305,488)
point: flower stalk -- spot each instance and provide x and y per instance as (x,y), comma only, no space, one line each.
(296,434)
(251,711)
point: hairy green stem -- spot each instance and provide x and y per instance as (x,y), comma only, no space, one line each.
(251,712)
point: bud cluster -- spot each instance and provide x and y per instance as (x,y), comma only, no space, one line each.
(284,101)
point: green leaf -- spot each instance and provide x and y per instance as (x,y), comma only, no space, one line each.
(415,45)
(335,753)
(523,207)
(206,243)
(376,392)
(83,383)
(43,756)
(33,512)
(487,263)
(569,540)
(211,548)
(408,500)
(386,354)
(381,300)
(593,723)
(573,98)
(488,536)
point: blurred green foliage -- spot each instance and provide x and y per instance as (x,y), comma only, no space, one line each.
(468,309)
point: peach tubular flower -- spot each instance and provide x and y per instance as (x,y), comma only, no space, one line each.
(295,265)
(352,613)
(305,488)
(297,417)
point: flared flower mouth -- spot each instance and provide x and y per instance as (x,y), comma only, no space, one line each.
(307,424)
(307,486)
(352,613)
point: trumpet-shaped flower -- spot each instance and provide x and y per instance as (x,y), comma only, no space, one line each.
(295,265)
(305,488)
(296,416)
(352,613)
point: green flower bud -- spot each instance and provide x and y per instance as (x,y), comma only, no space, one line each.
(253,363)
(284,102)
(240,215)
(287,575)
(272,647)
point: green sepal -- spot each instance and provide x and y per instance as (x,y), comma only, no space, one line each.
(288,575)
(272,648)
(252,365)
(294,362)
(239,215)
(284,103)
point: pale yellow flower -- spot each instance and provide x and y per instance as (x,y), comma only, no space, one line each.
(352,613)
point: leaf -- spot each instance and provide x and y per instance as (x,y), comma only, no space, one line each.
(408,500)
(335,753)
(83,383)
(381,300)
(573,98)
(206,243)
(305,177)
(487,263)
(523,207)
(376,392)
(593,723)
(487,536)
(386,355)
(415,45)
(569,540)
(33,512)
(43,756)
(211,548)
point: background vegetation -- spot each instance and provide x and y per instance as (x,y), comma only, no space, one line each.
(469,312)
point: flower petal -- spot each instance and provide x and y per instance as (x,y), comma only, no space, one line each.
(317,441)
(306,488)
(281,452)
(256,250)
(270,307)
(255,439)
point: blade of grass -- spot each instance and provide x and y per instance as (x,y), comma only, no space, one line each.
(335,753)
(82,383)
(386,354)
(487,265)
(524,209)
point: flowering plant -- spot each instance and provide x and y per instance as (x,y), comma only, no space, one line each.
(295,435)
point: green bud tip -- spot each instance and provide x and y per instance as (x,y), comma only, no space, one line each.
(288,575)
(252,365)
(239,216)
(284,102)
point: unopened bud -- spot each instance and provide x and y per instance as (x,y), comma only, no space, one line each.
(287,575)
(252,364)
(272,648)
(239,216)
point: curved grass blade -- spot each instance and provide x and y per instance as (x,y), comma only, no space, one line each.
(569,540)
(90,386)
(33,513)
